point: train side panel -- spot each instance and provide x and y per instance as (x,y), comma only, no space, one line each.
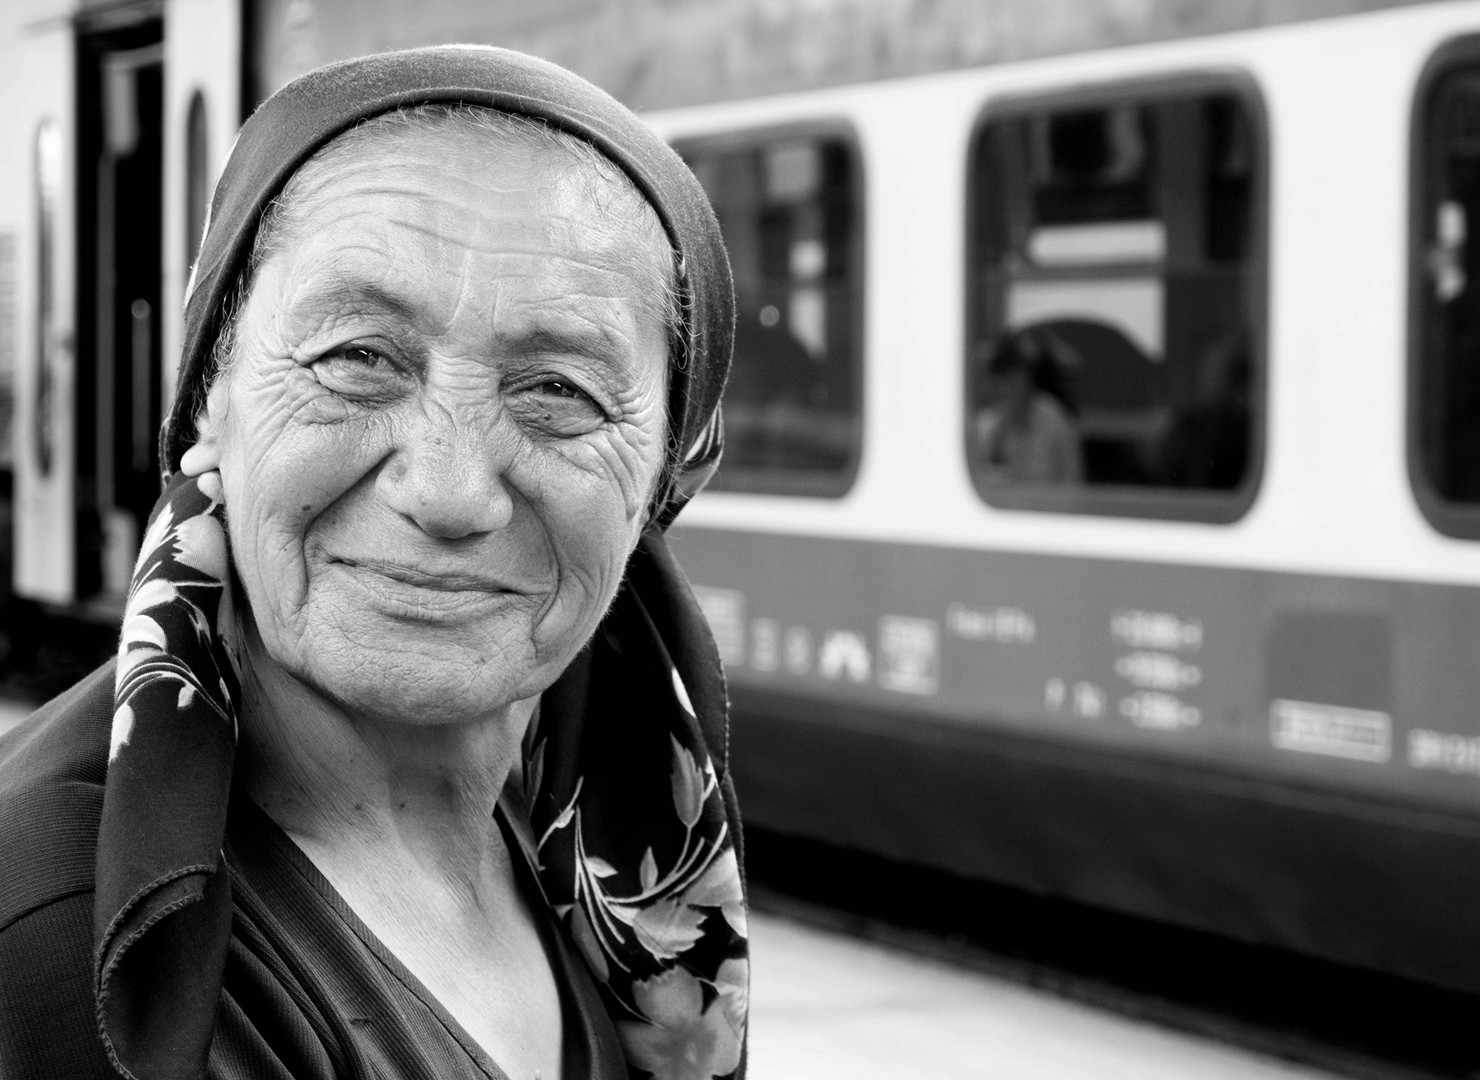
(1289,759)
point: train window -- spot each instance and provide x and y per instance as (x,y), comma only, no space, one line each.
(1444,398)
(197,182)
(789,205)
(1115,296)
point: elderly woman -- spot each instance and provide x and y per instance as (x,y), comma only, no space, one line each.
(412,760)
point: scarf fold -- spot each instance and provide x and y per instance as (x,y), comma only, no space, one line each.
(626,772)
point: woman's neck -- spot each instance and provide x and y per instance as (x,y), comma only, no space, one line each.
(376,790)
(398,817)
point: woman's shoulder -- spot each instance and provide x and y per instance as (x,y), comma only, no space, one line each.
(52,768)
(48,1018)
(51,791)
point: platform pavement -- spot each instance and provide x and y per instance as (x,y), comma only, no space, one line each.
(829,1007)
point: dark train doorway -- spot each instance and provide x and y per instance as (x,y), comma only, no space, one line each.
(120,100)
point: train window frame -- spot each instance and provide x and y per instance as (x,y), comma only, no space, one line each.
(1448,516)
(1204,505)
(47,179)
(802,483)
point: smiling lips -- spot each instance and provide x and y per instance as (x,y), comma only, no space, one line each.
(451,581)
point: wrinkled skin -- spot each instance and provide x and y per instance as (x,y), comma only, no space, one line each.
(441,430)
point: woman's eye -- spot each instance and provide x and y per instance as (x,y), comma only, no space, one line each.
(561,406)
(355,354)
(563,389)
(357,370)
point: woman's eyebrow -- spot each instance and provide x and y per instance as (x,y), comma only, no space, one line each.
(575,336)
(550,330)
(350,290)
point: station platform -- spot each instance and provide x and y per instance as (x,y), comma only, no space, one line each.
(825,1006)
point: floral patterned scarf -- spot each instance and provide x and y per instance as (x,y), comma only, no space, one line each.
(626,773)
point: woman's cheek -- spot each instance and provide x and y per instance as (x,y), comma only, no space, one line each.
(622,468)
(317,461)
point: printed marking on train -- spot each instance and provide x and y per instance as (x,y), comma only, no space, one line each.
(796,650)
(1444,751)
(1161,711)
(1081,699)
(909,654)
(765,644)
(725,611)
(1157,671)
(1004,625)
(844,654)
(1333,730)
(1160,630)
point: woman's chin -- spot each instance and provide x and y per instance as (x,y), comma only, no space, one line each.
(425,683)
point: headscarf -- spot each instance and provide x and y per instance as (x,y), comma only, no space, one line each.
(626,770)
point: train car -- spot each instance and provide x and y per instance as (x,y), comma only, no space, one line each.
(1102,493)
(113,132)
(1174,611)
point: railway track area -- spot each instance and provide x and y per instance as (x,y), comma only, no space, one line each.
(865,969)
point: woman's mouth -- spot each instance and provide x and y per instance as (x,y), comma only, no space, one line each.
(445,579)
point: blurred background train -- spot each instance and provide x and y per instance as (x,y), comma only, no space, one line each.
(1101,509)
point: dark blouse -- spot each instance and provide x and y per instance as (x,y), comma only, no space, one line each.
(355,1010)
(309,991)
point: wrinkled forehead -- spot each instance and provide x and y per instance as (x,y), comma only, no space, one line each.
(505,148)
(435,170)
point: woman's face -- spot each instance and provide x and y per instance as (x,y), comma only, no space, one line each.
(443,425)
(1007,389)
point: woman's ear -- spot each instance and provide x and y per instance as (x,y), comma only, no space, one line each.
(205,454)
(201,458)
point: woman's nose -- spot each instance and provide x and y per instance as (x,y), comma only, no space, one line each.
(449,477)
